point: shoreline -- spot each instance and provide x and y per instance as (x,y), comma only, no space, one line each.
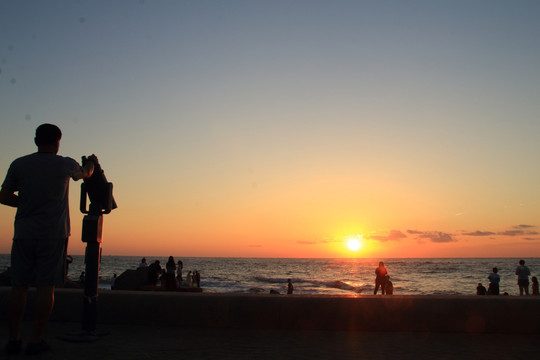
(362,313)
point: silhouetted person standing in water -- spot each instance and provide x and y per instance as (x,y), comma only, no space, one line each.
(494,280)
(380,279)
(290,287)
(170,274)
(523,273)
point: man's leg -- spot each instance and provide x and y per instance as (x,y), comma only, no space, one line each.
(44,307)
(16,306)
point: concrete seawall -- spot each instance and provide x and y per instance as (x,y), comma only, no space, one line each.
(406,313)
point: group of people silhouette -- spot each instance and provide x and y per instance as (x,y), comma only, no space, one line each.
(522,272)
(170,276)
(382,280)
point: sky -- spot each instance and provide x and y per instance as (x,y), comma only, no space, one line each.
(287,128)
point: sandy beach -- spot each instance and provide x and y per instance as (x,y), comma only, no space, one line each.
(159,325)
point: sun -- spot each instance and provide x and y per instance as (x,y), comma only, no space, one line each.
(354,243)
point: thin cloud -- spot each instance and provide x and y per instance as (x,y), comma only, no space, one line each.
(437,237)
(327,241)
(394,235)
(519,230)
(301,242)
(479,233)
(511,233)
(315,242)
(414,232)
(523,226)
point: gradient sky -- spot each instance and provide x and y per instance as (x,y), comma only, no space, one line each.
(282,128)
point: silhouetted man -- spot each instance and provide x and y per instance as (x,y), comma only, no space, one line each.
(38,186)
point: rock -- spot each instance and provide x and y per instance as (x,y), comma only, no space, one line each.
(132,280)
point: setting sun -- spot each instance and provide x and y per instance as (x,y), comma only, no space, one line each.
(354,243)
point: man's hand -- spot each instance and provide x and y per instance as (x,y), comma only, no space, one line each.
(8,198)
(93,158)
(90,163)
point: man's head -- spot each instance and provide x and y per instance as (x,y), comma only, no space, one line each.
(48,137)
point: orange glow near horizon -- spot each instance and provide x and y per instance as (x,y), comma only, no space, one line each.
(271,226)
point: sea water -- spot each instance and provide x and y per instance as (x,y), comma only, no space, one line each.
(438,276)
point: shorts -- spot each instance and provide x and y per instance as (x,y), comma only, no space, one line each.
(523,282)
(39,262)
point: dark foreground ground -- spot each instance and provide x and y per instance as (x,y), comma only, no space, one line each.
(154,325)
(170,342)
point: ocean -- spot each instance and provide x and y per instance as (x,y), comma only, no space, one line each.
(438,276)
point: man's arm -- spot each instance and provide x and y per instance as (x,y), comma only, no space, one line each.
(8,198)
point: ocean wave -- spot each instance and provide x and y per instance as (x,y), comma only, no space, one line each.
(332,284)
(256,290)
(269,280)
(338,285)
(326,276)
